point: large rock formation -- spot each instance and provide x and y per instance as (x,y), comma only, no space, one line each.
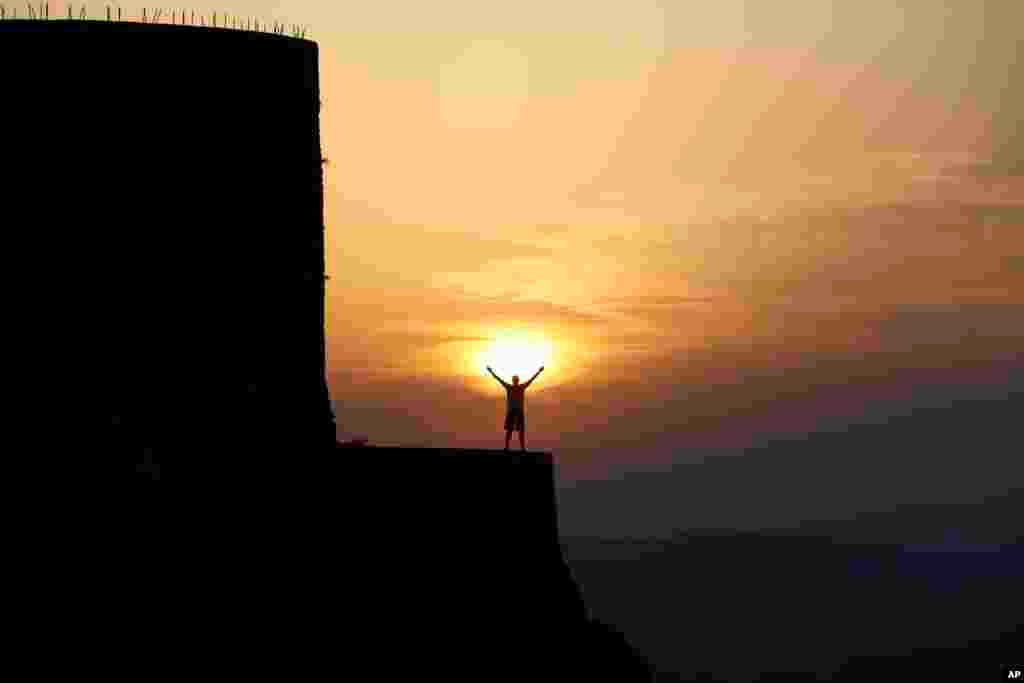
(171,177)
(394,563)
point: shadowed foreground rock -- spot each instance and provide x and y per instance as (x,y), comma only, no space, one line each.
(387,561)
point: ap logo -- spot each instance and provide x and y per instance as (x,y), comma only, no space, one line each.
(1014,673)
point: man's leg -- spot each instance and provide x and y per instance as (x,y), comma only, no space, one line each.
(522,438)
(508,437)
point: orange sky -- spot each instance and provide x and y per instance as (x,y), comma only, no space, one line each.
(724,221)
(728,223)
(668,210)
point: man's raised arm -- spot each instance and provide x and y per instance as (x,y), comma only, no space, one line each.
(496,377)
(530,381)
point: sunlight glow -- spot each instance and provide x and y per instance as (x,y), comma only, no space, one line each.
(515,353)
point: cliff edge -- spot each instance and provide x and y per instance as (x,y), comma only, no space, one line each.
(393,561)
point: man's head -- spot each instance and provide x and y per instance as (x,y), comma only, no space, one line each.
(515,379)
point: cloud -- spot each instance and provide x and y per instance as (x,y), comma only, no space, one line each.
(542,311)
(641,300)
(448,249)
(867,257)
(443,305)
(778,127)
(871,466)
(424,339)
(553,229)
(744,122)
(648,409)
(733,399)
(965,327)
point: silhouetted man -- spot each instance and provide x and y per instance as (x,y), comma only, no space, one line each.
(515,420)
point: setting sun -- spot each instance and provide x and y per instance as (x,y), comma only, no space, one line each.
(512,353)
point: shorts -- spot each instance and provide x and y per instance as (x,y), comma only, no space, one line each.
(515,421)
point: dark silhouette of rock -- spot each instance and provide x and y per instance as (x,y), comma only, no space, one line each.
(391,562)
(469,566)
(174,173)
